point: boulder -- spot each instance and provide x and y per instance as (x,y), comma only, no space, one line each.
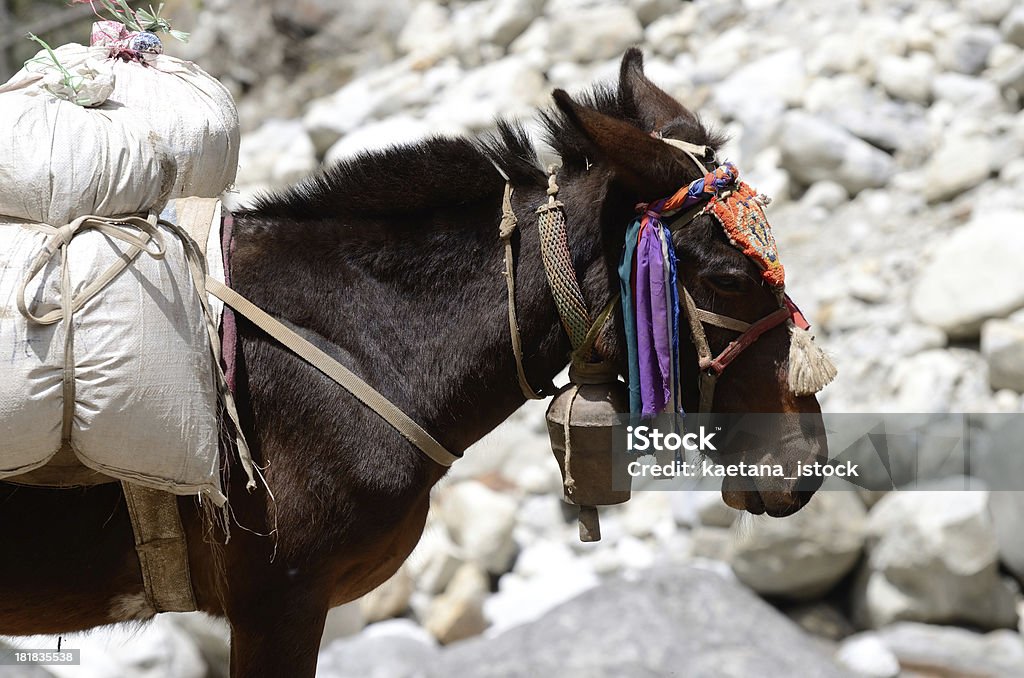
(961,163)
(480,522)
(868,656)
(390,599)
(701,507)
(511,87)
(965,50)
(814,149)
(1012,26)
(393,649)
(933,557)
(908,78)
(681,621)
(591,33)
(508,19)
(458,613)
(764,88)
(669,34)
(973,275)
(428,34)
(1002,344)
(803,555)
(947,651)
(396,130)
(279,153)
(968,93)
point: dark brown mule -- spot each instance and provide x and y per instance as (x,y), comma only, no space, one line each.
(391,263)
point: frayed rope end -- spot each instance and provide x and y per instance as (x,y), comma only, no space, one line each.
(810,368)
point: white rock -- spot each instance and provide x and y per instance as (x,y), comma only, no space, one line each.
(1006,509)
(458,612)
(764,88)
(967,93)
(826,194)
(480,522)
(713,543)
(589,33)
(342,621)
(394,131)
(815,150)
(933,557)
(960,163)
(1002,344)
(948,651)
(966,50)
(645,512)
(865,654)
(510,87)
(909,78)
(649,11)
(669,34)
(974,275)
(434,561)
(390,599)
(428,32)
(279,153)
(520,600)
(543,556)
(838,53)
(508,19)
(1012,26)
(925,382)
(804,555)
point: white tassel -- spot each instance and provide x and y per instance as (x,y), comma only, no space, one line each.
(810,369)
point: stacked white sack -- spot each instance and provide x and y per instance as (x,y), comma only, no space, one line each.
(145,401)
(190,110)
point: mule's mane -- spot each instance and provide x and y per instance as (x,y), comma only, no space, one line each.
(445,171)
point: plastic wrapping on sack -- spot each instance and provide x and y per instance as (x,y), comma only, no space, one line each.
(191,111)
(145,405)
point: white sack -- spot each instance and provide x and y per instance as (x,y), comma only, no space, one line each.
(145,401)
(59,161)
(191,111)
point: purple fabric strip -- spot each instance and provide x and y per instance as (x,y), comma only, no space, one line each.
(229,328)
(653,346)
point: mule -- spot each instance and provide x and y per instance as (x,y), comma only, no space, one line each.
(392,262)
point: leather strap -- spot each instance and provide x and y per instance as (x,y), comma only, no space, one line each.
(505,230)
(711,367)
(160,544)
(363,392)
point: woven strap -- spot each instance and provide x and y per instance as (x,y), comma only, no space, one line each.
(505,230)
(363,392)
(554,249)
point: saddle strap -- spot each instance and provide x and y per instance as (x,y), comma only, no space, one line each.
(160,545)
(363,392)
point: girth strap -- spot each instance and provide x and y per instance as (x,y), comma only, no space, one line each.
(363,392)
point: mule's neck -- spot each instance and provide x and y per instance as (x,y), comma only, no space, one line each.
(418,307)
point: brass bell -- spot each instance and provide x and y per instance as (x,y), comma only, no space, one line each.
(581,424)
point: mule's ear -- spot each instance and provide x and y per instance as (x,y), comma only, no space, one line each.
(648,166)
(641,99)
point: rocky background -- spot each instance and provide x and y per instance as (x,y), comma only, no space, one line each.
(890,134)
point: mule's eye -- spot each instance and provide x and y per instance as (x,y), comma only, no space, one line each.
(725,283)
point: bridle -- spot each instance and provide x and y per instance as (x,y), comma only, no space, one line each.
(585,356)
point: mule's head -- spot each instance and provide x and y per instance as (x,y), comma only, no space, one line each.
(615,138)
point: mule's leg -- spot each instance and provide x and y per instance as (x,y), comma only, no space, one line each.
(277,631)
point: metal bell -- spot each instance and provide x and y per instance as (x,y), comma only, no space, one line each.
(581,424)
